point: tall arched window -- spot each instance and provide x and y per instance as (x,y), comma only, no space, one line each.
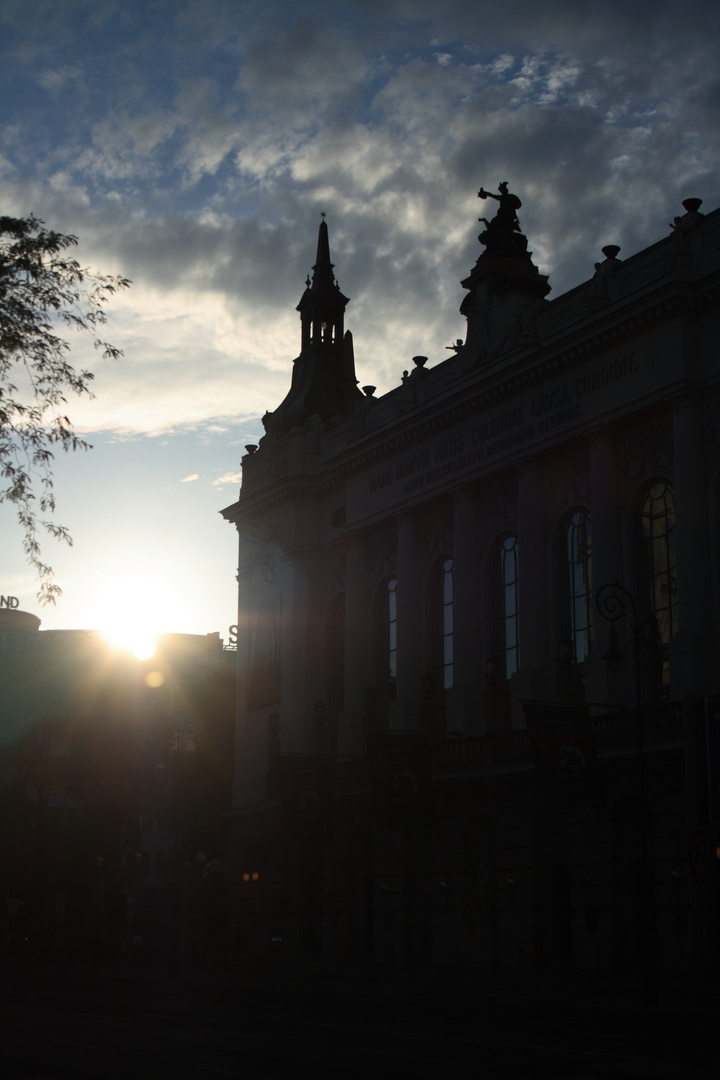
(657,558)
(442,629)
(505,607)
(387,641)
(577,580)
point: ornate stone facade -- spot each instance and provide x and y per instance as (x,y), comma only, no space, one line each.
(437,557)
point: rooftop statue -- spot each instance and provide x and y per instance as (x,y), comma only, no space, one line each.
(505,288)
(502,237)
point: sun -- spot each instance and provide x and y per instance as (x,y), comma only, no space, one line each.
(130,639)
(133,608)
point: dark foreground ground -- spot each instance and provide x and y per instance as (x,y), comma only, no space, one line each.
(277,1025)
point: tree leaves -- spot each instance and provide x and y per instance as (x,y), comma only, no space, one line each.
(42,289)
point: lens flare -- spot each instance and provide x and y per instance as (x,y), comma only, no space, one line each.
(133,607)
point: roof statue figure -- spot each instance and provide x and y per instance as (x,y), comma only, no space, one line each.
(504,286)
(502,237)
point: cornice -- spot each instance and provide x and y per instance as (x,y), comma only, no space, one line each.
(471,392)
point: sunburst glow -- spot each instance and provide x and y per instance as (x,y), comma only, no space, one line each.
(133,609)
(141,644)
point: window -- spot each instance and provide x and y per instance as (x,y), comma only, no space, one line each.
(657,559)
(387,641)
(442,614)
(505,607)
(577,575)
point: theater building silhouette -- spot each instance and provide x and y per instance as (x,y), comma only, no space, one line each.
(477,631)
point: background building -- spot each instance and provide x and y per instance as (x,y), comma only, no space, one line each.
(478,630)
(114,776)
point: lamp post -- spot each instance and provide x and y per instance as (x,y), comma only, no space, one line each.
(614,602)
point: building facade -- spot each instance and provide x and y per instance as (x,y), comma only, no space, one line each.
(114,779)
(477,630)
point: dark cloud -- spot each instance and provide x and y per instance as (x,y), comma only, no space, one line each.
(195,145)
(299,69)
(192,147)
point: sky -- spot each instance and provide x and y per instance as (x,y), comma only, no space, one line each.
(192,145)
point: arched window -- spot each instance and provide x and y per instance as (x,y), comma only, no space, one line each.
(442,629)
(505,607)
(658,585)
(576,569)
(387,641)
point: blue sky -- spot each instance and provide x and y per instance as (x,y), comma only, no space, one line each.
(192,146)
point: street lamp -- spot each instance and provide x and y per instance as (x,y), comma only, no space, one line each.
(614,602)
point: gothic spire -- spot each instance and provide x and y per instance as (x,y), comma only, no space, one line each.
(323,381)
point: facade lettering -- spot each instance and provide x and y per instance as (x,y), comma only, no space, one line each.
(515,438)
(497,425)
(412,465)
(449,448)
(550,399)
(604,374)
(559,418)
(381,480)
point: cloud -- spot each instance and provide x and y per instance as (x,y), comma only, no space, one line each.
(56,79)
(192,147)
(300,70)
(193,151)
(228,478)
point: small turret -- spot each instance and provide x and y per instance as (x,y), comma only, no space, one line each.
(322,305)
(323,380)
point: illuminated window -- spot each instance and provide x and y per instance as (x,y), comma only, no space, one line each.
(505,607)
(657,559)
(577,574)
(443,623)
(182,741)
(387,641)
(658,584)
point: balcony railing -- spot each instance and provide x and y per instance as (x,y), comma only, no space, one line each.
(615,732)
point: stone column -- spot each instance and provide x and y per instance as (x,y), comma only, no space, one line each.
(692,650)
(532,585)
(357,614)
(691,518)
(403,711)
(462,701)
(535,676)
(299,582)
(250,730)
(604,511)
(602,685)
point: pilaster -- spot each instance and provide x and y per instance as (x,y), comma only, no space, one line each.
(533,680)
(693,660)
(350,733)
(403,712)
(463,699)
(601,684)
